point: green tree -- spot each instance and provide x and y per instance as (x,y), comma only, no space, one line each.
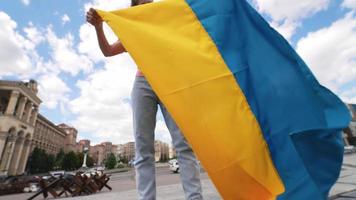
(111,161)
(59,159)
(40,161)
(123,159)
(80,157)
(51,159)
(34,161)
(70,161)
(90,161)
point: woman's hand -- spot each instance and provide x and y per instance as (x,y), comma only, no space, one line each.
(108,49)
(94,18)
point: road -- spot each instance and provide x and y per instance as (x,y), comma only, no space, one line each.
(126,181)
(122,182)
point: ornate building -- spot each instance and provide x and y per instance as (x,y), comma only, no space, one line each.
(97,152)
(48,136)
(172,152)
(107,149)
(129,151)
(71,137)
(18,114)
(161,151)
(352,108)
(120,151)
(114,149)
(350,132)
(101,152)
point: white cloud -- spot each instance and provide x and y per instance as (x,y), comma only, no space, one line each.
(331,54)
(351,100)
(65,19)
(26,2)
(19,58)
(88,40)
(349,4)
(15,51)
(286,28)
(64,55)
(291,9)
(53,91)
(162,132)
(33,34)
(103,107)
(287,14)
(88,44)
(107,4)
(349,96)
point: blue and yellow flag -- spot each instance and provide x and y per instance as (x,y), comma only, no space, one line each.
(259,121)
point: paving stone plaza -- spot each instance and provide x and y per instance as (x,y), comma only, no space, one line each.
(344,189)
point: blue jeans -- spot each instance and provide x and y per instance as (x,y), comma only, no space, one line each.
(144,105)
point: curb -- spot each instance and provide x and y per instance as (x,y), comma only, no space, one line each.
(340,194)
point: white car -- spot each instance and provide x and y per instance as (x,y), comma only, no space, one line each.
(99,168)
(349,149)
(57,174)
(174,166)
(31,188)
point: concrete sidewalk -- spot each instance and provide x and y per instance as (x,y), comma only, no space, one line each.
(169,192)
(344,189)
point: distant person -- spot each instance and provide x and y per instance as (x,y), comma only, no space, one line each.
(144,105)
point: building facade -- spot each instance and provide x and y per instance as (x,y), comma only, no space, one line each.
(97,152)
(120,151)
(129,151)
(114,148)
(161,151)
(352,108)
(19,105)
(107,149)
(350,132)
(172,152)
(48,136)
(70,143)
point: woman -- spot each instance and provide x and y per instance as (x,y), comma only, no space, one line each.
(144,105)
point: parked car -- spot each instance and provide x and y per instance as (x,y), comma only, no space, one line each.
(12,185)
(349,149)
(91,172)
(173,165)
(32,187)
(131,163)
(99,168)
(57,173)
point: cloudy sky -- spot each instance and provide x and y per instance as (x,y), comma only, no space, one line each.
(49,41)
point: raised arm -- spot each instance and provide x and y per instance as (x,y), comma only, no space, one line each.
(108,49)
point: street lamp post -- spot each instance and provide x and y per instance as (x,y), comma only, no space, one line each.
(85,157)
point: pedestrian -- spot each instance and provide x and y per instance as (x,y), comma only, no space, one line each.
(144,105)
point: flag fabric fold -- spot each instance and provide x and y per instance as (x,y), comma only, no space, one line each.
(258,120)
